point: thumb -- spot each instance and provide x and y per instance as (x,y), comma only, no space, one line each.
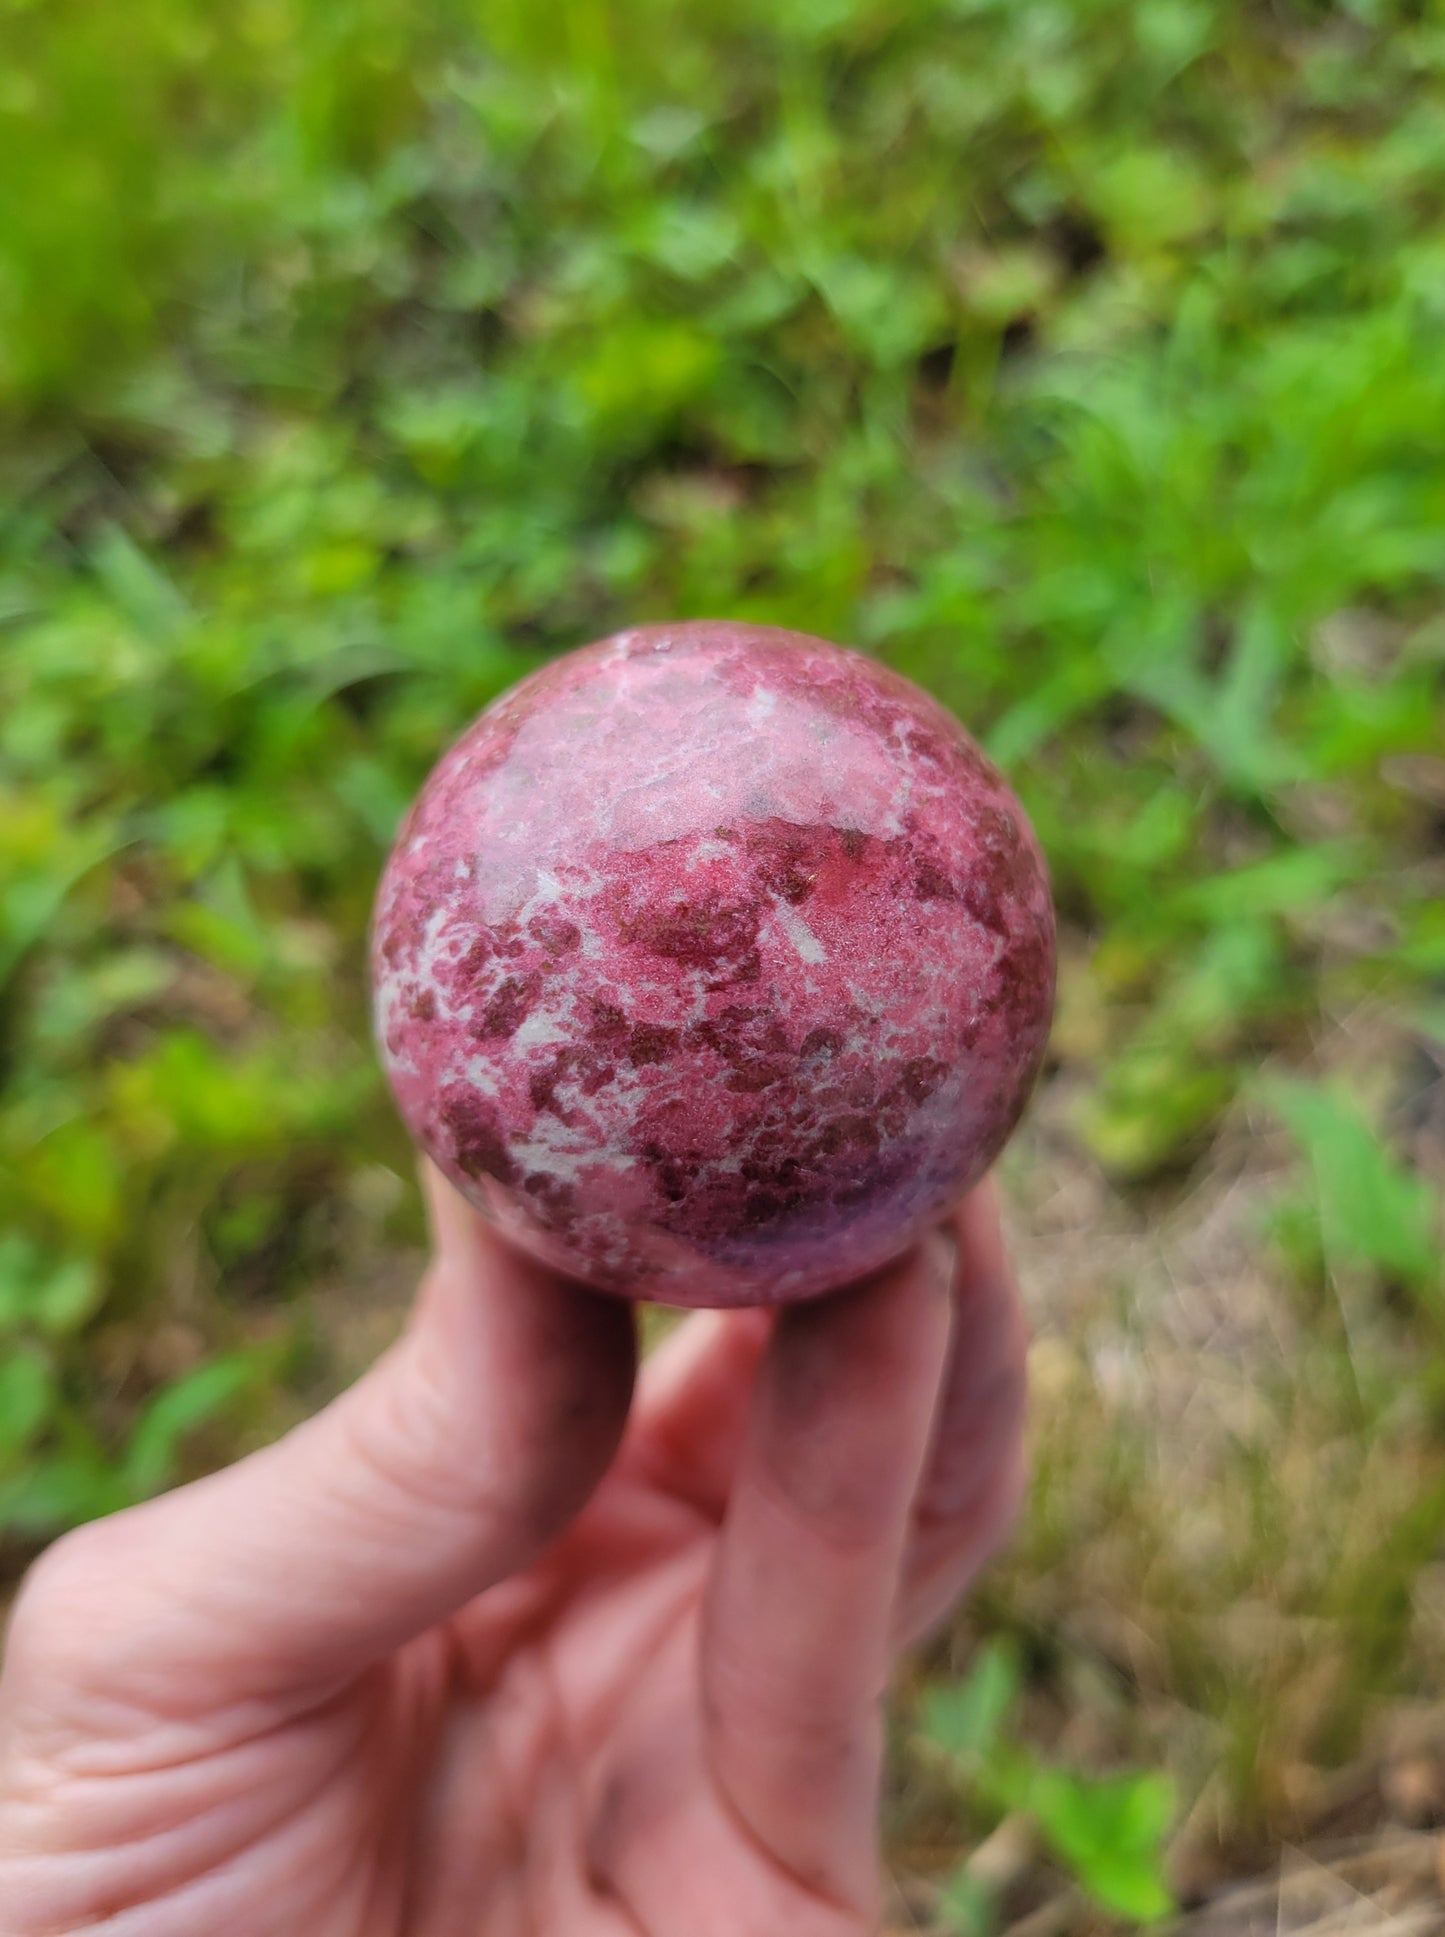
(450,1465)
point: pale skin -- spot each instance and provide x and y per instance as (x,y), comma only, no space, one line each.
(507,1643)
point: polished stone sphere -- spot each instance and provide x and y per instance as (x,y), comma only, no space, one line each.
(714,962)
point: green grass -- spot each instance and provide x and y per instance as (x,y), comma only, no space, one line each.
(1080,357)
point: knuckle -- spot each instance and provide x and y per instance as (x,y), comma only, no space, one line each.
(414,1438)
(53,1620)
(462,1453)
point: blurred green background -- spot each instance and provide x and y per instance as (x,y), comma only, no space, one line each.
(1081,357)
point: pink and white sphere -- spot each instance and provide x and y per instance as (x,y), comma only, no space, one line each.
(714,963)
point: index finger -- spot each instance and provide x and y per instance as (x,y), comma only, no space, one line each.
(797,1631)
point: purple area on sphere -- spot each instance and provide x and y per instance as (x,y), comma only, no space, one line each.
(714,962)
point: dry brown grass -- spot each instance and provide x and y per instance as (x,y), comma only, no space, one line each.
(1229,1566)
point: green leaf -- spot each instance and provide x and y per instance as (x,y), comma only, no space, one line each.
(137,583)
(1372,1212)
(1151,196)
(202,1396)
(1170,1082)
(53,1293)
(1231,717)
(1109,1830)
(1301,877)
(222,924)
(61,1490)
(372,794)
(77,1001)
(76,1174)
(966,1719)
(31,902)
(639,373)
(27,1392)
(967,1906)
(1081,682)
(1129,1886)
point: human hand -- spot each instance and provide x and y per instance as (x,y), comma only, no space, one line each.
(475,1651)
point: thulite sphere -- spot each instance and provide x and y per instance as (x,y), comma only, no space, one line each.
(714,962)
